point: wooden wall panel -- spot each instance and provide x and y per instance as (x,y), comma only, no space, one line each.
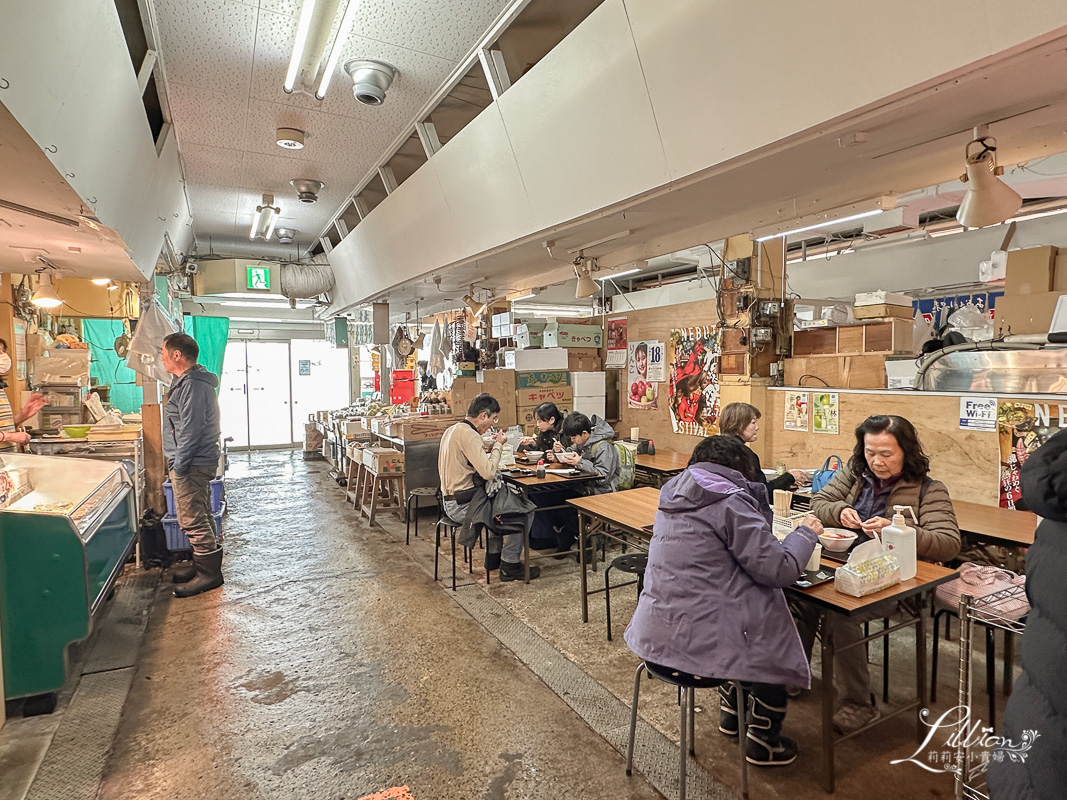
(967,462)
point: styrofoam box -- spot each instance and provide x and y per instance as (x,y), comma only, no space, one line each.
(882,297)
(548,359)
(589,384)
(590,405)
(900,374)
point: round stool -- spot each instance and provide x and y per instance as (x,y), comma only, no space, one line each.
(632,563)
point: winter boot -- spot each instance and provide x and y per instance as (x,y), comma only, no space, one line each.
(183,574)
(492,561)
(208,574)
(728,723)
(766,747)
(516,572)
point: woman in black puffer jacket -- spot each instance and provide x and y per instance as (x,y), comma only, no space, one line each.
(1039,699)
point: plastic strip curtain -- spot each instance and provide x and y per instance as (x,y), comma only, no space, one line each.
(211,334)
(108,368)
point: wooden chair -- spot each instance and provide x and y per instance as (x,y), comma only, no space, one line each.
(382,492)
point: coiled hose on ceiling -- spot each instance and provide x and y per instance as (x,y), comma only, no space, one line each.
(306,280)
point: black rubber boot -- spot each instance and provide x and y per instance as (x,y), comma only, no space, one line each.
(516,572)
(183,574)
(766,747)
(728,723)
(492,561)
(208,574)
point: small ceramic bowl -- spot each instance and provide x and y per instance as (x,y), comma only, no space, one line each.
(535,455)
(837,540)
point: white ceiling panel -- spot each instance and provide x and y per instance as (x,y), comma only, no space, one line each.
(208,43)
(204,117)
(225,62)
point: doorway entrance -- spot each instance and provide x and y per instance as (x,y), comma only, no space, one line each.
(268,389)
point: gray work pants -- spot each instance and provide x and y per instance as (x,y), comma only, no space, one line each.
(192,501)
(509,547)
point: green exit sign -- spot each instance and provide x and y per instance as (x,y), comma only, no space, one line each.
(259,277)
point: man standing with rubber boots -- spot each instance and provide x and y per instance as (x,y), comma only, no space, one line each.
(191,447)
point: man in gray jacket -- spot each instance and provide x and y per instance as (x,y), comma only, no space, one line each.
(593,451)
(191,447)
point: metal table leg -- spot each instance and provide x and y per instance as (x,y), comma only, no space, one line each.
(828,703)
(920,671)
(581,566)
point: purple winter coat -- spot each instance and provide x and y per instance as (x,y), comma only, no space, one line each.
(713,603)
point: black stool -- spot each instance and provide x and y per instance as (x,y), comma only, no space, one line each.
(415,494)
(447,523)
(632,563)
(687,685)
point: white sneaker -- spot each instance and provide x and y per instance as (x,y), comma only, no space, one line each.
(852,716)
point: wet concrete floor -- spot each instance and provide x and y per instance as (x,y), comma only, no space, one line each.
(331,666)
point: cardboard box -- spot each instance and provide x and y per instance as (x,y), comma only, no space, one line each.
(542,380)
(589,384)
(383,460)
(900,373)
(882,311)
(560,395)
(881,297)
(558,334)
(838,372)
(590,405)
(1030,313)
(1030,271)
(379,425)
(532,360)
(1059,278)
(584,360)
(312,437)
(526,340)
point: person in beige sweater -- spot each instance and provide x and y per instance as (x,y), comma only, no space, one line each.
(888,467)
(462,456)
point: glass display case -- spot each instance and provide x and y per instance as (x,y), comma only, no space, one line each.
(67,526)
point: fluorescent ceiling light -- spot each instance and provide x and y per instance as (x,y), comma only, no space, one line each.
(101,281)
(277,319)
(264,220)
(279,306)
(613,275)
(539,310)
(302,29)
(823,219)
(818,225)
(338,46)
(523,297)
(45,296)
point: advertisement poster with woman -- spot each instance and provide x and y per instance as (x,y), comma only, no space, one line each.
(1023,427)
(644,369)
(694,384)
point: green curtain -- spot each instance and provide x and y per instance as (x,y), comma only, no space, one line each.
(211,333)
(108,368)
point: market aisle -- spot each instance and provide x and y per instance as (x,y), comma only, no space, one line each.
(330,666)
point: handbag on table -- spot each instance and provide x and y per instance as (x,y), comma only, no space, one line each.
(823,476)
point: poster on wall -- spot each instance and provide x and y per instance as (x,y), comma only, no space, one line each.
(796,411)
(825,414)
(646,361)
(1023,427)
(694,384)
(616,341)
(20,349)
(978,413)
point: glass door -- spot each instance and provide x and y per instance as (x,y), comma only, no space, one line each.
(319,375)
(233,395)
(270,420)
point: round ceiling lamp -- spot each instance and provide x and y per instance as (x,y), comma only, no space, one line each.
(45,296)
(290,138)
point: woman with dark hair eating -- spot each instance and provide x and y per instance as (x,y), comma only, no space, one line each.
(888,468)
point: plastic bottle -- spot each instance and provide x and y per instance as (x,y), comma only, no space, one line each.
(651,447)
(541,468)
(898,539)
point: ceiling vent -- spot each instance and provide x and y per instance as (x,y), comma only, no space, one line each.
(307,190)
(370,80)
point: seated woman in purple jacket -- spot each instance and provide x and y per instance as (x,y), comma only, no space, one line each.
(713,603)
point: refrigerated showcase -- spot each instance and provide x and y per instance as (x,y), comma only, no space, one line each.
(67,527)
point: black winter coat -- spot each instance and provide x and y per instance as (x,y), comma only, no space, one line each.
(783,481)
(1039,699)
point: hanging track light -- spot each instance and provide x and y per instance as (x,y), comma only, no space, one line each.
(46,296)
(988,200)
(587,287)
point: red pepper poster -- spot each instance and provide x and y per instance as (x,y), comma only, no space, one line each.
(694,383)
(1023,427)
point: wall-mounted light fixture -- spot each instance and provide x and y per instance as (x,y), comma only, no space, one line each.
(45,296)
(587,287)
(264,220)
(314,58)
(988,200)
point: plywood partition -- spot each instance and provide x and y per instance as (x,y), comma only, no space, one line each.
(656,324)
(967,462)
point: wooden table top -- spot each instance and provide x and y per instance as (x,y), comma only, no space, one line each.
(633,509)
(662,461)
(992,522)
(636,508)
(927,576)
(549,479)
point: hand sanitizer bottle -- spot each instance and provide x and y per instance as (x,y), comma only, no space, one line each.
(898,540)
